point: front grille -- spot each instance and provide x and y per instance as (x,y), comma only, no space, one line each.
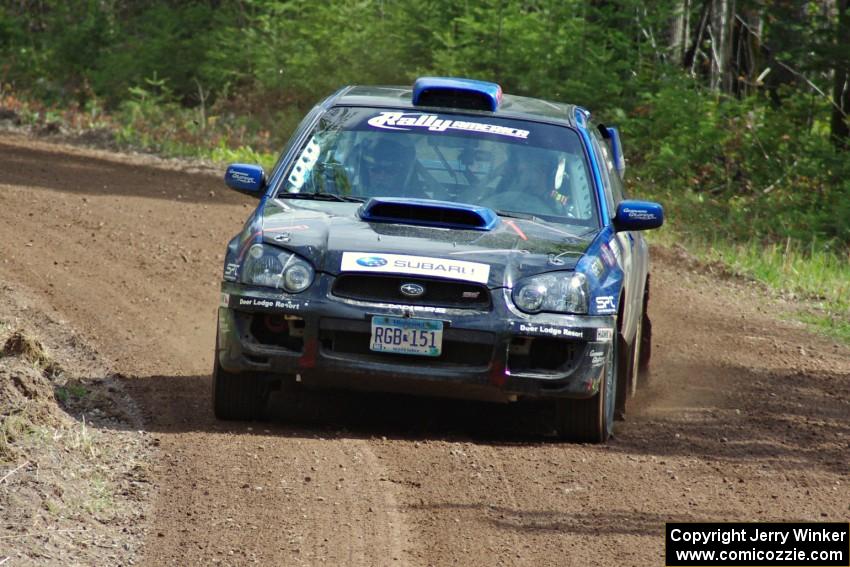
(387,289)
(465,348)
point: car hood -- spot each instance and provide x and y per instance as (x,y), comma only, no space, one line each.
(513,249)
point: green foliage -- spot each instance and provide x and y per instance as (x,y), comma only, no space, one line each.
(742,168)
(69,390)
(242,154)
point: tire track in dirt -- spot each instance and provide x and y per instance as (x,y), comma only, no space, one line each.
(393,527)
(745,417)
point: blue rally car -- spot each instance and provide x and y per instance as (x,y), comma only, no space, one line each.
(445,240)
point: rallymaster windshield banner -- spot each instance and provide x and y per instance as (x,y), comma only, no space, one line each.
(394,120)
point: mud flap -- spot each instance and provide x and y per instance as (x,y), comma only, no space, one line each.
(625,380)
(646,337)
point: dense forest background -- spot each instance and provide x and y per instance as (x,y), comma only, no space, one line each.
(734,112)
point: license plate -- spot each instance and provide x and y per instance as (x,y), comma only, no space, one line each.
(422,337)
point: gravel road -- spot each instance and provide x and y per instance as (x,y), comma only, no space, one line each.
(746,415)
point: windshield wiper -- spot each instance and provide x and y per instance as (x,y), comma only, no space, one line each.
(515,215)
(321,196)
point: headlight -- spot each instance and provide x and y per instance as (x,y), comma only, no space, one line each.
(558,292)
(272,267)
(297,277)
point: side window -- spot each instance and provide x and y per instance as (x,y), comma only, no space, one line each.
(571,181)
(605,167)
(617,188)
(616,181)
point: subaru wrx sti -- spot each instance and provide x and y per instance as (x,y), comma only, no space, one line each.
(443,239)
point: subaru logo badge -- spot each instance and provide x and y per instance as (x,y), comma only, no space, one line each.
(412,290)
(372,261)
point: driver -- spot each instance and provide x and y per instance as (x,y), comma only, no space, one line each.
(387,168)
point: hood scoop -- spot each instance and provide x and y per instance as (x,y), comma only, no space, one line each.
(425,212)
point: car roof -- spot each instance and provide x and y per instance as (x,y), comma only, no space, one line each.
(512,106)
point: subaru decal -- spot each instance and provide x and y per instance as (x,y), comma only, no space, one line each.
(371,261)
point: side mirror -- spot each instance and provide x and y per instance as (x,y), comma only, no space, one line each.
(638,215)
(245,178)
(617,150)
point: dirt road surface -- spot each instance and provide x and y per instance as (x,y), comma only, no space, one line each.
(746,415)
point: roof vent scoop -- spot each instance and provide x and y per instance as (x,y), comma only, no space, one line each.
(457,93)
(425,212)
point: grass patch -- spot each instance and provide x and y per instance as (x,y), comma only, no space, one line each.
(71,389)
(16,430)
(23,345)
(242,154)
(82,441)
(812,274)
(829,325)
(52,506)
(100,496)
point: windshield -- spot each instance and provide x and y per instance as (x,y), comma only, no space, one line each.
(511,166)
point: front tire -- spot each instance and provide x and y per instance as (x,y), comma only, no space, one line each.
(237,396)
(591,420)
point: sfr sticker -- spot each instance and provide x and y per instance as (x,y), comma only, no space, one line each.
(230,271)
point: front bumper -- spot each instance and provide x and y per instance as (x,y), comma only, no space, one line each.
(498,354)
